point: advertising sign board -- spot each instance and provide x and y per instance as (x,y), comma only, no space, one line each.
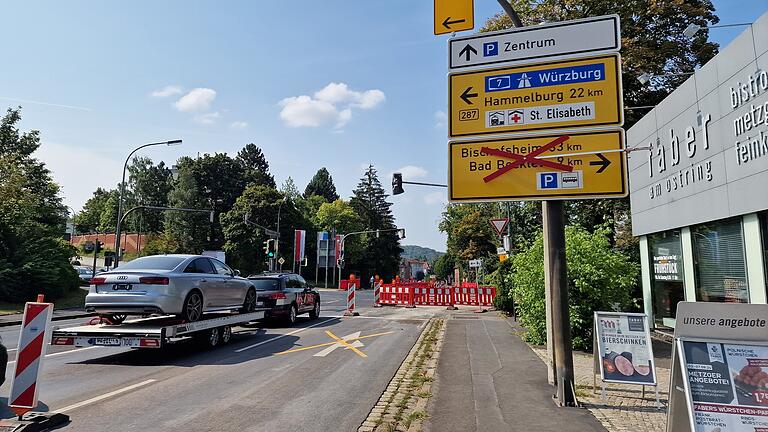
(542,96)
(623,349)
(719,368)
(582,36)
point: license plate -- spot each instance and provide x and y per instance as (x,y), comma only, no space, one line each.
(122,287)
(106,341)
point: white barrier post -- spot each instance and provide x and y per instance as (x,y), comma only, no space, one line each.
(351,300)
(376,294)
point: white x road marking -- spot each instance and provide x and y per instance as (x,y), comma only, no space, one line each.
(349,337)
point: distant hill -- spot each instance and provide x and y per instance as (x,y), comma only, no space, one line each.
(419,252)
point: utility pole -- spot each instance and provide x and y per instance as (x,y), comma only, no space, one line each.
(556,272)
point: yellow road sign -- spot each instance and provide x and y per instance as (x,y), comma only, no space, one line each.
(563,166)
(554,95)
(454,15)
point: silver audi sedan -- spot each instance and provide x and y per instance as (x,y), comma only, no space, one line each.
(183,285)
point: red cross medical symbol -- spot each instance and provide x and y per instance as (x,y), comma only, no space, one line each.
(530,158)
(515,118)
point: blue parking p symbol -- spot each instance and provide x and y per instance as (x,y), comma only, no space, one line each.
(490,49)
(548,181)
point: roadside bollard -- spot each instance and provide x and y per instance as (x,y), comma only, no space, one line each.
(376,294)
(351,300)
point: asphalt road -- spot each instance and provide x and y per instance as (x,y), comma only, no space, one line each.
(243,386)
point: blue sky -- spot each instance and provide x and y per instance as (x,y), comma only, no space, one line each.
(336,83)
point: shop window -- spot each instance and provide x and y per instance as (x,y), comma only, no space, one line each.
(667,287)
(719,262)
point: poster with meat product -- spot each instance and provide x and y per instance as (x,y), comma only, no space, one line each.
(623,349)
(728,386)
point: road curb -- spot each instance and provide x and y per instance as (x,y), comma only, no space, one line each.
(56,318)
(402,405)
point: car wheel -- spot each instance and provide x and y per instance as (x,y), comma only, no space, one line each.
(315,312)
(193,307)
(249,305)
(213,337)
(226,334)
(291,317)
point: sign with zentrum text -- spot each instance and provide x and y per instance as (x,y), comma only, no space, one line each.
(583,36)
(543,96)
(563,166)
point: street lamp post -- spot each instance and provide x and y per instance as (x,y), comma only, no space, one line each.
(122,192)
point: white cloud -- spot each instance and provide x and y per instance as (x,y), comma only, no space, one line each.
(170,90)
(411,172)
(441,119)
(198,99)
(208,118)
(239,125)
(435,198)
(332,105)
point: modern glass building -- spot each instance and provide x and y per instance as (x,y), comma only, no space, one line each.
(699,184)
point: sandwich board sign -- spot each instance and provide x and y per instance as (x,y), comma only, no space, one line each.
(622,350)
(719,376)
(550,40)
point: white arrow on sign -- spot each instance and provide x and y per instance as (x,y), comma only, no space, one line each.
(347,338)
(499,225)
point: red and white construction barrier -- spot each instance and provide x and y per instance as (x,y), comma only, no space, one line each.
(29,361)
(376,294)
(351,300)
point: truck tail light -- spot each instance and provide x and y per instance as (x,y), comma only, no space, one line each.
(149,343)
(153,280)
(63,341)
(277,296)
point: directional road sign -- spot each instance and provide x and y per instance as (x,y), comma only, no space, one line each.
(499,225)
(554,40)
(476,263)
(563,166)
(454,15)
(555,95)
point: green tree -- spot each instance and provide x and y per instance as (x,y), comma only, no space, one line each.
(186,232)
(598,279)
(289,190)
(150,185)
(255,166)
(443,267)
(34,258)
(382,253)
(322,185)
(652,42)
(89,218)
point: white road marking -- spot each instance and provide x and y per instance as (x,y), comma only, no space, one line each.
(282,336)
(332,301)
(64,352)
(12,349)
(349,337)
(105,396)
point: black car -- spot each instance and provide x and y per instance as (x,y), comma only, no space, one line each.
(286,295)
(3,361)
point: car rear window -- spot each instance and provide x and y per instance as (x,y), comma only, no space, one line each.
(152,263)
(266,284)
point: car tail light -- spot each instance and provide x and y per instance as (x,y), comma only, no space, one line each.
(153,280)
(277,296)
(149,343)
(98,280)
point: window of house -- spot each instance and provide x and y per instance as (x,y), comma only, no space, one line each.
(667,281)
(720,262)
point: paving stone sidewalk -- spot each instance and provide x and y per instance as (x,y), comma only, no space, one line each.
(623,408)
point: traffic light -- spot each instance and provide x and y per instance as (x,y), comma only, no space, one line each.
(269,248)
(397,184)
(97,246)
